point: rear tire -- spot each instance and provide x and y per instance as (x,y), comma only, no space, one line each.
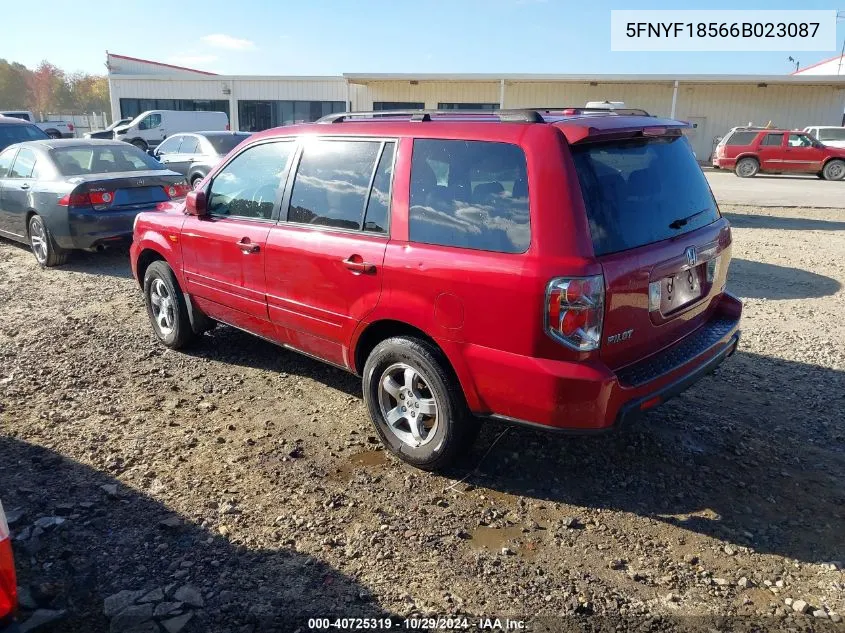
(47,252)
(195,180)
(166,306)
(747,167)
(409,381)
(834,170)
(53,133)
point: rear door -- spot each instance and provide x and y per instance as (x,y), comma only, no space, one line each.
(655,226)
(17,187)
(182,160)
(771,152)
(7,157)
(167,152)
(324,263)
(224,253)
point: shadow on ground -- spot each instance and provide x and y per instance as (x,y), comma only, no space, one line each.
(113,262)
(234,347)
(758,280)
(758,221)
(753,455)
(108,543)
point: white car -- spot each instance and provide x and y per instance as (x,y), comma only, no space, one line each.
(150,128)
(830,135)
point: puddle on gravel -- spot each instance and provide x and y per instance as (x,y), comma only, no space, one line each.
(493,539)
(365,459)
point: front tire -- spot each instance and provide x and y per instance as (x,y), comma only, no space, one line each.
(166,306)
(834,170)
(747,167)
(47,252)
(416,403)
(195,180)
(140,144)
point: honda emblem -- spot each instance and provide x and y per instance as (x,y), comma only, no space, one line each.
(691,256)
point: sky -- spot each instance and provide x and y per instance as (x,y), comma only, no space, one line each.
(321,37)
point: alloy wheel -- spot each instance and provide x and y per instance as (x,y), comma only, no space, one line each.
(408,405)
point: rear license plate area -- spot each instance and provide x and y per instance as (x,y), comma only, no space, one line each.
(681,289)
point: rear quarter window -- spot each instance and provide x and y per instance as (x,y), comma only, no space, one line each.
(469,194)
(741,138)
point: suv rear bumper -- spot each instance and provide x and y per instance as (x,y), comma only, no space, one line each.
(589,397)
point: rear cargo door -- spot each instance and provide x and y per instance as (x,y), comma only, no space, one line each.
(657,232)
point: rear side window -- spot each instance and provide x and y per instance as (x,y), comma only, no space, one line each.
(378,207)
(641,191)
(332,183)
(469,194)
(741,138)
(19,133)
(23,165)
(6,161)
(772,139)
(189,145)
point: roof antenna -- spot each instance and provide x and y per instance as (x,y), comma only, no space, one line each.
(795,61)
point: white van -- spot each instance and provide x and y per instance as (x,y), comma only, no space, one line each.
(150,128)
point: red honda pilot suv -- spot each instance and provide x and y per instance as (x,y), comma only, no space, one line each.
(563,270)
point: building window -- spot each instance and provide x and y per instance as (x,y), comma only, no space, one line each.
(254,116)
(467,106)
(134,107)
(397,105)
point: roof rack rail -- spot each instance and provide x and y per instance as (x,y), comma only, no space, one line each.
(570,110)
(505,116)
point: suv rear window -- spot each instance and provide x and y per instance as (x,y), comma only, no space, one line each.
(634,190)
(470,194)
(741,138)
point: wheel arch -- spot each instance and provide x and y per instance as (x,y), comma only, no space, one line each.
(373,333)
(153,247)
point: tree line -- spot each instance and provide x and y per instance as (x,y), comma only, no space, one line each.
(49,89)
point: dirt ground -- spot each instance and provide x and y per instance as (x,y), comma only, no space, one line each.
(249,477)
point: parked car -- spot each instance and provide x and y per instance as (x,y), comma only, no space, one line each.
(17,131)
(749,151)
(150,128)
(109,131)
(8,584)
(59,195)
(566,272)
(194,155)
(53,129)
(832,136)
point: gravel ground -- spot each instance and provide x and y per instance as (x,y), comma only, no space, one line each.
(245,481)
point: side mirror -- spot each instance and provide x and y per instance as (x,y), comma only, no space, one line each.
(195,204)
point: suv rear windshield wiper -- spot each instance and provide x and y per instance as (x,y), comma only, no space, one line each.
(682,222)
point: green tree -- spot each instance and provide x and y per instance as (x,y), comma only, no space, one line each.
(13,85)
(88,93)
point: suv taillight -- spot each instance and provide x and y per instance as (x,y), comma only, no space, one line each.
(8,584)
(575,311)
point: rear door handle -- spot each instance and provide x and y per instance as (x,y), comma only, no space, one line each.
(24,186)
(248,247)
(355,264)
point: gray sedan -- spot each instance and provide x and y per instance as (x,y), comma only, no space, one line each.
(195,154)
(59,195)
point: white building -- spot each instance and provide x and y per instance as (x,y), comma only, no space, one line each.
(712,103)
(834,66)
